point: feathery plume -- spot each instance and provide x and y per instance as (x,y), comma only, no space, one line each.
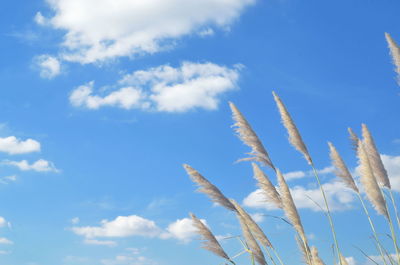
(251,242)
(289,207)
(210,242)
(394,52)
(353,139)
(206,187)
(266,186)
(252,225)
(306,259)
(294,135)
(316,260)
(341,169)
(250,138)
(375,158)
(343,260)
(368,180)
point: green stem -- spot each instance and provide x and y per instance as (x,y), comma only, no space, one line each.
(269,255)
(277,255)
(392,229)
(252,259)
(328,212)
(395,207)
(372,227)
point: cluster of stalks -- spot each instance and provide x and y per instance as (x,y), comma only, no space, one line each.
(374,181)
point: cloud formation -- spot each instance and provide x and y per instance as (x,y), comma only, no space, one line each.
(164,88)
(133,225)
(48,66)
(14,146)
(338,195)
(99,30)
(40,165)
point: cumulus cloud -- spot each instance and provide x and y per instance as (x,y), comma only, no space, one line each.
(338,195)
(181,229)
(122,226)
(100,30)
(40,165)
(392,165)
(126,98)
(133,225)
(164,88)
(49,66)
(13,145)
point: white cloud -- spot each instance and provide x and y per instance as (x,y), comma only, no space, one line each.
(107,243)
(133,225)
(5,241)
(40,165)
(100,30)
(258,217)
(3,222)
(126,98)
(75,220)
(49,66)
(40,19)
(392,165)
(294,175)
(122,226)
(13,145)
(338,195)
(165,88)
(181,229)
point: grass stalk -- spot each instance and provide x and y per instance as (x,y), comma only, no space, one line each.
(394,207)
(277,255)
(269,255)
(328,213)
(390,221)
(372,228)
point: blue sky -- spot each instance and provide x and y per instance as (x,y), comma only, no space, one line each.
(103,101)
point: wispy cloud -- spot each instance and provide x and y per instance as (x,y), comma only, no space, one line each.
(40,165)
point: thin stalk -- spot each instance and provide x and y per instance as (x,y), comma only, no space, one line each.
(239,254)
(269,255)
(328,213)
(252,258)
(372,228)
(395,207)
(277,255)
(392,232)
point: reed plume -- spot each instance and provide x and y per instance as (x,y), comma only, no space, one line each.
(294,135)
(394,52)
(374,158)
(369,182)
(341,169)
(353,138)
(305,251)
(250,138)
(209,189)
(268,189)
(210,243)
(289,207)
(343,260)
(252,225)
(251,242)
(316,260)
